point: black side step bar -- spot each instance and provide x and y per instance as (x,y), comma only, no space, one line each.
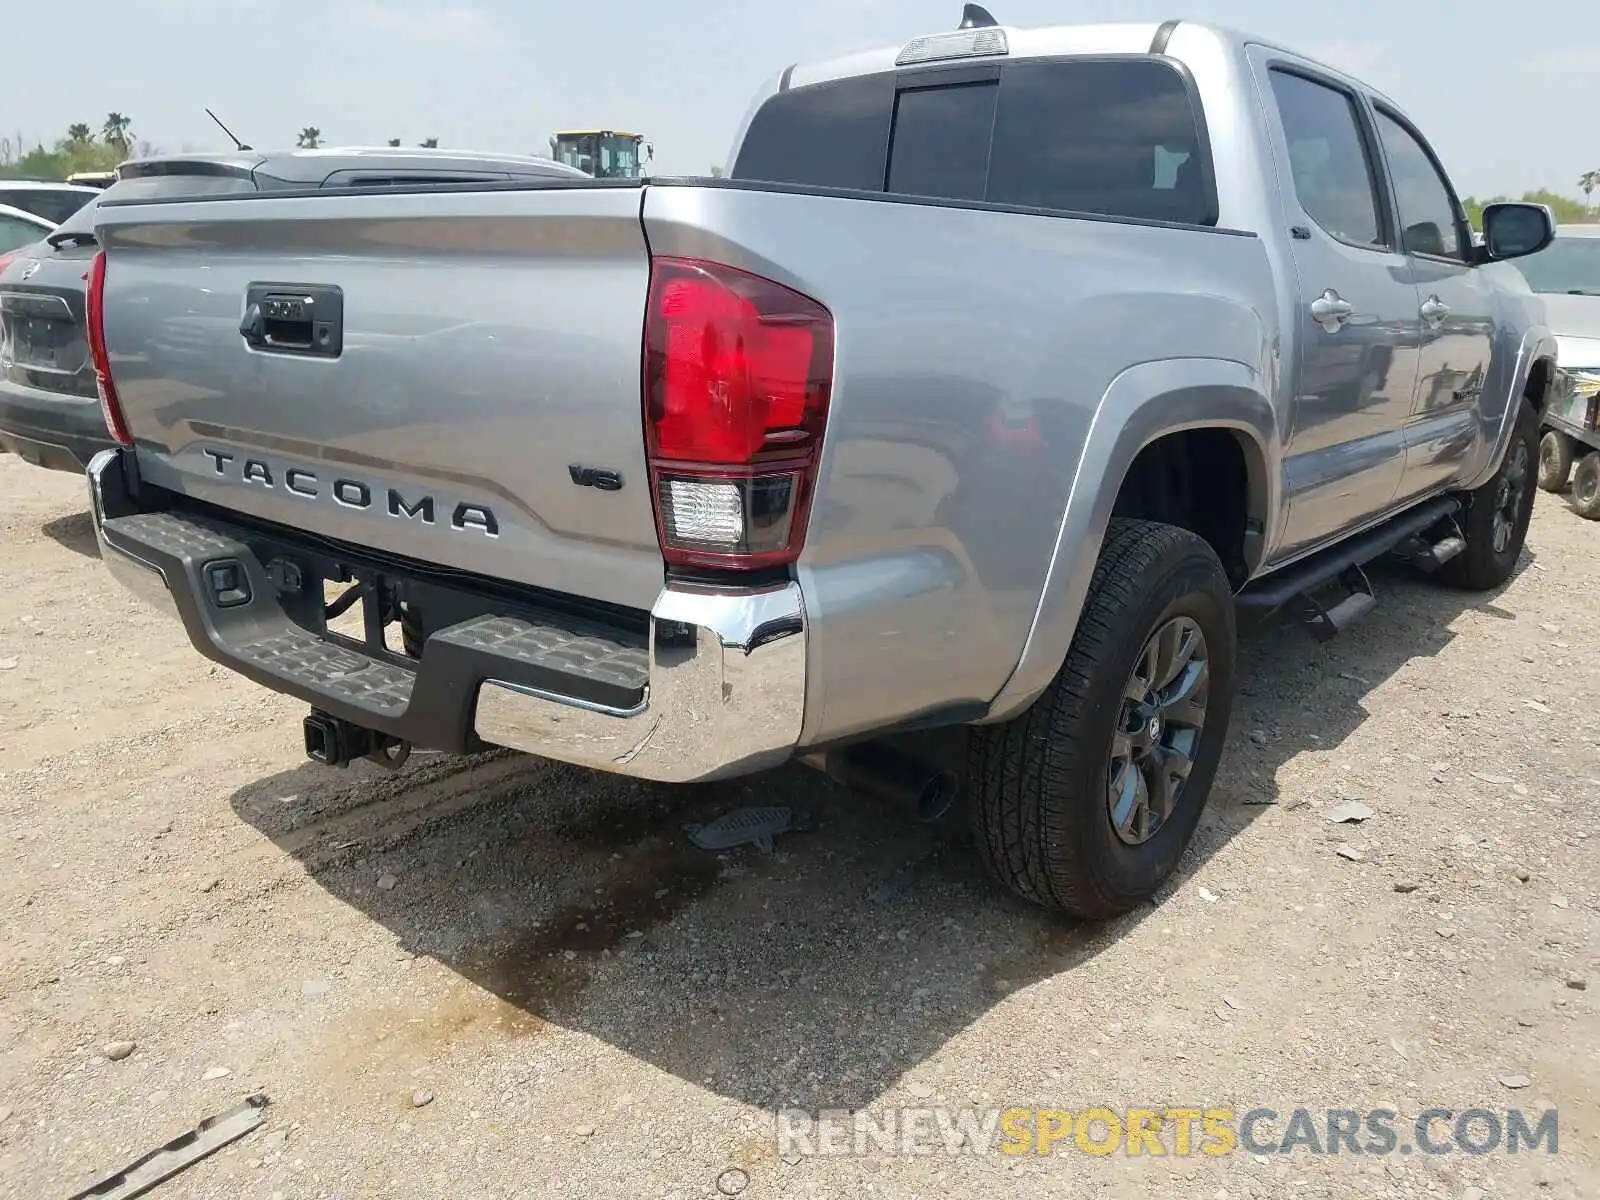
(1341,564)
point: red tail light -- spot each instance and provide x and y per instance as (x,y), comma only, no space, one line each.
(95,320)
(7,257)
(737,377)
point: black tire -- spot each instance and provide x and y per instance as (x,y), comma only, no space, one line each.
(1586,486)
(1039,785)
(1494,518)
(1555,460)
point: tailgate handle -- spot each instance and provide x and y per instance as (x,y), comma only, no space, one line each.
(291,318)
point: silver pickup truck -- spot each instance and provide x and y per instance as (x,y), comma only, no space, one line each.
(944,443)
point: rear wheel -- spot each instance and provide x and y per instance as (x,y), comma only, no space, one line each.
(1495,517)
(1085,802)
(1586,486)
(1555,460)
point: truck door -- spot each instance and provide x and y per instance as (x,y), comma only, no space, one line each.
(1455,311)
(1355,324)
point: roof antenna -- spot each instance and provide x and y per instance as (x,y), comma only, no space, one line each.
(237,143)
(973,16)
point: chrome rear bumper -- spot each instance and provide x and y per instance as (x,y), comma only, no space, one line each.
(725,692)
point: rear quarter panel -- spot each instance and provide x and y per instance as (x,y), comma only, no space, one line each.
(976,350)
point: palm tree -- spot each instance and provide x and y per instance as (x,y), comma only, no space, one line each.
(79,134)
(309,138)
(1588,183)
(429,143)
(117,131)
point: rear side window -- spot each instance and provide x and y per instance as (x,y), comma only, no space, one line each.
(1116,137)
(52,204)
(1328,159)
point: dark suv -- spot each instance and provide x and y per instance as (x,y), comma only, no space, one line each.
(49,404)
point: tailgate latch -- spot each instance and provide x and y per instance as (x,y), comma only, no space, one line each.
(292,318)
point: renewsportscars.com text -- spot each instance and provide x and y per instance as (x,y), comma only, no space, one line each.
(1175,1130)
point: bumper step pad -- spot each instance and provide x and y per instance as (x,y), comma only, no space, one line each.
(592,656)
(301,656)
(561,656)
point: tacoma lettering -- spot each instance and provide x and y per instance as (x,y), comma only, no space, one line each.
(352,493)
(420,508)
(473,516)
(400,507)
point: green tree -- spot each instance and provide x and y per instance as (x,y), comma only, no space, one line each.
(117,131)
(1587,184)
(309,138)
(716,171)
(394,141)
(429,143)
(79,134)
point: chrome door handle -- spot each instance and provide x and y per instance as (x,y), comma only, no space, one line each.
(1434,310)
(1331,311)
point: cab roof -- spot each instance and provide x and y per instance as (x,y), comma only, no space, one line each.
(1108,37)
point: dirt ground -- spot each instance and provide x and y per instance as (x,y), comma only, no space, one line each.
(598,1009)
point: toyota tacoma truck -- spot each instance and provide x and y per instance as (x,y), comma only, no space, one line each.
(945,442)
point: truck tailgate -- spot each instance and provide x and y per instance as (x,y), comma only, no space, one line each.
(477,405)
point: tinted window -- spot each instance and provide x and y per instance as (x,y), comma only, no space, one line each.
(1428,222)
(940,145)
(1333,177)
(51,204)
(1118,138)
(15,233)
(826,135)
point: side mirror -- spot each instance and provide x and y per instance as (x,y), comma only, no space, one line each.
(1516,230)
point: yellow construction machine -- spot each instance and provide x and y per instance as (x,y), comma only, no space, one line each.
(603,153)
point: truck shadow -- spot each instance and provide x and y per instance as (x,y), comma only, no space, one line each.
(74,532)
(815,976)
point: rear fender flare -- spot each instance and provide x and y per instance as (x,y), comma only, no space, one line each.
(1143,403)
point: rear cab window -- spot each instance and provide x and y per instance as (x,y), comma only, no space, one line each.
(1117,137)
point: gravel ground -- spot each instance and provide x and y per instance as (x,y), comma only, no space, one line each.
(586,1006)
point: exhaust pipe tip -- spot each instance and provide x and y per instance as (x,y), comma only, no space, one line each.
(928,791)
